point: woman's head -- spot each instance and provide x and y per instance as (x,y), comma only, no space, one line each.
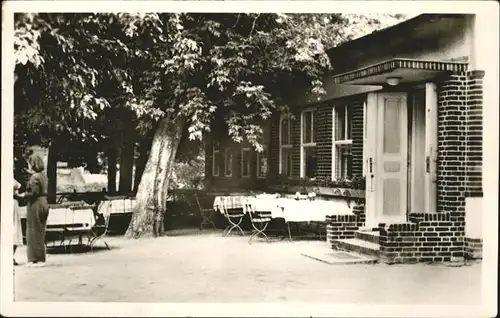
(36,163)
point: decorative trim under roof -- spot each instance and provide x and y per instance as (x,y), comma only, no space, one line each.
(389,66)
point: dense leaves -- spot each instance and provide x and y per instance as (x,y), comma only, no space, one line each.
(74,70)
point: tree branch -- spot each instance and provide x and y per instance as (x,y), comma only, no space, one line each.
(253,25)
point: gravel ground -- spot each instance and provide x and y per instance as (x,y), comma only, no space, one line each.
(205,267)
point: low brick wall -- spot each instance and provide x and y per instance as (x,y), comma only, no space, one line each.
(428,237)
(473,248)
(344,226)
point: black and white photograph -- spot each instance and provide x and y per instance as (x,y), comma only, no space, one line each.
(250,158)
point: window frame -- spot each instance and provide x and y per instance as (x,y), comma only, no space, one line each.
(303,144)
(264,150)
(214,163)
(226,152)
(337,143)
(284,146)
(248,150)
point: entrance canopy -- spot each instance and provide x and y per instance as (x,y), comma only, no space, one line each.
(403,70)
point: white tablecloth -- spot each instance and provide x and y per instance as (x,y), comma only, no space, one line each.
(65,215)
(120,206)
(299,210)
(230,201)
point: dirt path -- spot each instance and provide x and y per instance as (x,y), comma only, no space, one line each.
(210,268)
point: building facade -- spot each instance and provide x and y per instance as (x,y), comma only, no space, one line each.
(403,112)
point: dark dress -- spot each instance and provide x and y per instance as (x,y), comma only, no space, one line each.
(37,213)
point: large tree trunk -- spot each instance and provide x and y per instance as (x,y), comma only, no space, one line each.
(151,198)
(142,160)
(127,154)
(52,174)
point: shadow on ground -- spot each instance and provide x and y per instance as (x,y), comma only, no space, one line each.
(76,249)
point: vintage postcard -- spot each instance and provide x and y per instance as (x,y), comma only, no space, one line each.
(249,158)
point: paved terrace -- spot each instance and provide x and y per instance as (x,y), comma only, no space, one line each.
(203,266)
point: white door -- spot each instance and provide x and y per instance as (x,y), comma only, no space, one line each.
(391,158)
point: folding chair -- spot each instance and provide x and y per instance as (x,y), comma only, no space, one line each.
(234,217)
(206,213)
(100,228)
(260,220)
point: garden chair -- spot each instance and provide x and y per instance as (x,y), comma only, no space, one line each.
(206,210)
(234,217)
(260,220)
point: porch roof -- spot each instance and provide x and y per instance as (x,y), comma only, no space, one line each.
(407,70)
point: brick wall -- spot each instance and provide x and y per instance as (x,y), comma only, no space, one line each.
(344,226)
(234,183)
(452,110)
(274,155)
(473,248)
(357,136)
(474,132)
(428,237)
(324,140)
(296,145)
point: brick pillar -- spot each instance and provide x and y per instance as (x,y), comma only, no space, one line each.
(474,132)
(324,136)
(452,155)
(357,136)
(452,129)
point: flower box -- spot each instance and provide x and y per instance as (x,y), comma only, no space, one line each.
(320,191)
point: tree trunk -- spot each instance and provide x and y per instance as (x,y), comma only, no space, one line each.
(140,163)
(112,158)
(52,174)
(151,198)
(127,155)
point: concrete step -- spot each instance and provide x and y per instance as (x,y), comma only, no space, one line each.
(357,245)
(369,236)
(333,257)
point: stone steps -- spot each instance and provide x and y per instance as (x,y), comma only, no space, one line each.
(340,257)
(357,245)
(369,236)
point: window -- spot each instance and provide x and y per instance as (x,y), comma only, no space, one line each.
(342,142)
(215,158)
(245,161)
(228,163)
(285,165)
(262,163)
(308,144)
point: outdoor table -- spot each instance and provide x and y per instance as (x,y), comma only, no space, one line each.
(230,207)
(296,211)
(69,220)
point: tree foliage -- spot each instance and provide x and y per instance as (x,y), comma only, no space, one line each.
(73,69)
(178,72)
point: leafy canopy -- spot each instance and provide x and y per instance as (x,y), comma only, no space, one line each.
(74,69)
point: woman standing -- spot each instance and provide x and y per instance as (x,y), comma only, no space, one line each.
(36,213)
(18,232)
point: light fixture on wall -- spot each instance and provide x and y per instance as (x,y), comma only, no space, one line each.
(393,81)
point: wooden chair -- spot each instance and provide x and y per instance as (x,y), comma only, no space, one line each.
(206,210)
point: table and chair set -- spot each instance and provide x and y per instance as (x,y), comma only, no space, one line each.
(72,220)
(262,209)
(77,219)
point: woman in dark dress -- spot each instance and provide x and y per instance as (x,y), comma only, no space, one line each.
(36,213)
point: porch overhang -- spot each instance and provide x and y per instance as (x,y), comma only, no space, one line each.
(407,70)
